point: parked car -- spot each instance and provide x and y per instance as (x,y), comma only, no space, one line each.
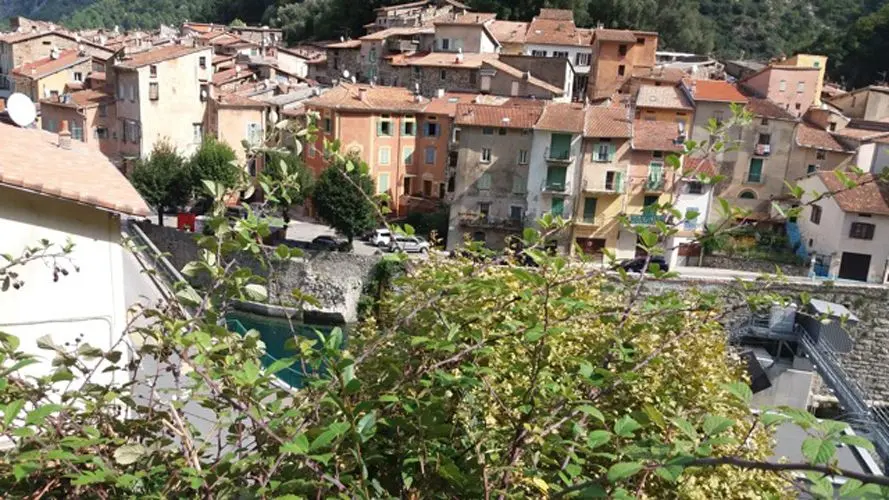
(638,263)
(331,243)
(410,244)
(381,238)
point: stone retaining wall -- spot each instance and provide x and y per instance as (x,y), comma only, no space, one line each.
(752,265)
(334,279)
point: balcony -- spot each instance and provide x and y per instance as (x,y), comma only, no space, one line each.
(612,186)
(558,156)
(654,184)
(477,220)
(554,186)
(402,45)
(762,149)
(597,221)
(646,219)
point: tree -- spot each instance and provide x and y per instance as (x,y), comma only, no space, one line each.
(237,23)
(475,380)
(163,179)
(214,161)
(286,181)
(342,197)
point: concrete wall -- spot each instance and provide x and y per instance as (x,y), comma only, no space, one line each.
(87,305)
(44,87)
(334,279)
(801,158)
(472,39)
(795,100)
(292,64)
(751,265)
(540,202)
(232,125)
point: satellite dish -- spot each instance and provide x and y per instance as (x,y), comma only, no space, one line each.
(21,110)
(346,74)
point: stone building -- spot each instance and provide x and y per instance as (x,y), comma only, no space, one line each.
(489,200)
(552,33)
(794,88)
(91,116)
(48,76)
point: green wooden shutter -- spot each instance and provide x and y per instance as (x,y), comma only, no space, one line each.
(611,152)
(755,173)
(589,209)
(379,127)
(555,177)
(558,206)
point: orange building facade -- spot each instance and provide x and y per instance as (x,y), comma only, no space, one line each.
(404,139)
(616,53)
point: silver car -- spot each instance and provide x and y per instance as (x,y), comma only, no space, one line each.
(410,244)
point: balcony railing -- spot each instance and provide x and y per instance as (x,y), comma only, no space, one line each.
(646,219)
(474,219)
(654,183)
(762,149)
(555,186)
(558,155)
(590,221)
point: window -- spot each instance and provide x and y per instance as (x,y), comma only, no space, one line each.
(556,178)
(152,71)
(640,41)
(815,216)
(101,133)
(132,92)
(558,54)
(798,106)
(764,121)
(383,155)
(442,75)
(657,154)
(103,110)
(621,70)
(538,53)
(811,169)
(76,130)
(754,175)
(816,64)
(622,49)
(445,44)
(484,181)
(523,157)
(487,131)
(384,126)
(205,92)
(862,231)
(382,183)
(719,116)
(800,87)
(409,128)
(604,152)
(254,133)
(518,184)
(328,125)
(152,91)
(484,209)
(516,212)
(197,132)
(764,139)
(832,127)
(782,86)
(78,76)
(432,129)
(407,185)
(202,62)
(486,155)
(501,131)
(695,188)
(589,209)
(747,195)
(557,206)
(408,155)
(821,154)
(430,155)
(613,181)
(473,78)
(582,59)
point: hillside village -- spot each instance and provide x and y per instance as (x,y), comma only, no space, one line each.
(500,121)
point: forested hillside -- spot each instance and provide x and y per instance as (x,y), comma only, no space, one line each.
(853,33)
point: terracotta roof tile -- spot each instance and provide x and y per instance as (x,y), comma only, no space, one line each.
(663,97)
(660,74)
(229,100)
(649,135)
(517,73)
(813,137)
(231,74)
(716,91)
(445,60)
(82,174)
(386,33)
(556,32)
(870,196)
(557,14)
(348,44)
(562,117)
(608,122)
(760,106)
(162,54)
(861,134)
(467,18)
(482,115)
(447,105)
(610,35)
(509,31)
(348,96)
(81,99)
(48,66)
(693,166)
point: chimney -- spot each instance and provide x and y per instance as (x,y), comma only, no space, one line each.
(64,136)
(526,75)
(459,56)
(439,93)
(362,94)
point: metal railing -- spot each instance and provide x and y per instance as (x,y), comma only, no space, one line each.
(646,219)
(558,155)
(471,219)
